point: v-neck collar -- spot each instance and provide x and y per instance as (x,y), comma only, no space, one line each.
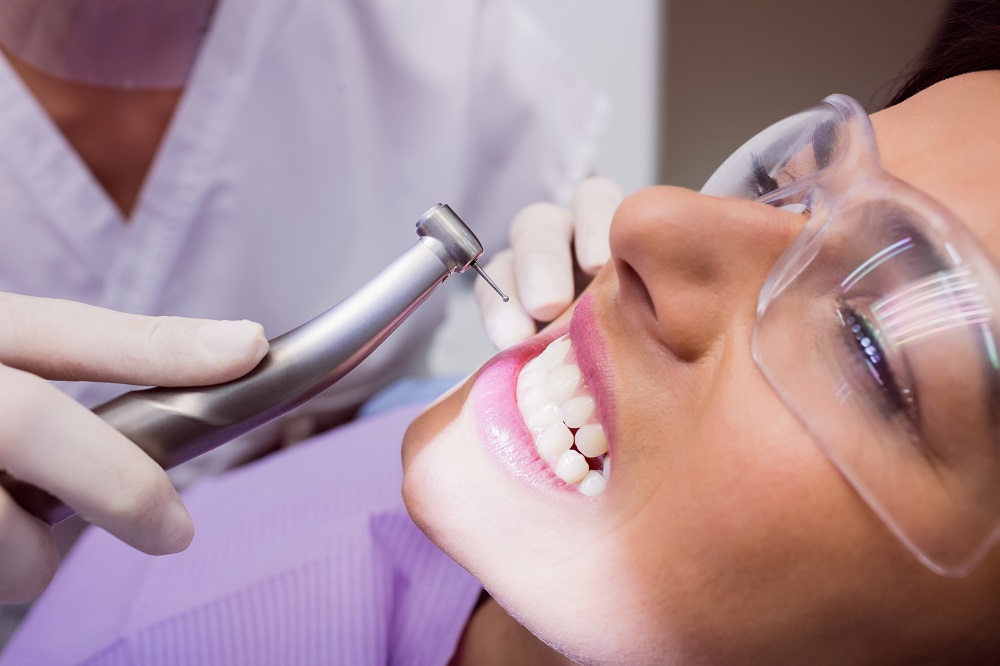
(54,175)
(136,256)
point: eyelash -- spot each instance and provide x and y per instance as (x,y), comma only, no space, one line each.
(868,359)
(759,180)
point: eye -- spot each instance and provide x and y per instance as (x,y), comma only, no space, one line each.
(867,355)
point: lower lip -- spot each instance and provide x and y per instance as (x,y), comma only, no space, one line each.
(498,418)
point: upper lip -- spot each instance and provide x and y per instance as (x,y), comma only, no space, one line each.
(593,359)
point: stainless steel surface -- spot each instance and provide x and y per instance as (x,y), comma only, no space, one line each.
(489,281)
(174,425)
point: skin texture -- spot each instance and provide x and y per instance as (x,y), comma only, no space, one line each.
(725,534)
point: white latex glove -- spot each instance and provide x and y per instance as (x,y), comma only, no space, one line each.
(49,440)
(537,271)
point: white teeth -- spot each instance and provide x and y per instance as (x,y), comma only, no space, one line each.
(577,411)
(555,441)
(544,417)
(591,441)
(534,399)
(563,382)
(530,380)
(558,410)
(555,353)
(593,484)
(572,467)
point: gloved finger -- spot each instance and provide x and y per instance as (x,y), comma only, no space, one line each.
(50,441)
(28,556)
(508,323)
(543,265)
(65,340)
(594,203)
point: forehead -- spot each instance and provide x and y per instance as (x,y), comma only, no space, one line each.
(946,142)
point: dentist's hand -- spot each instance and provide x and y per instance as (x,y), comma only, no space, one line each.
(49,440)
(538,271)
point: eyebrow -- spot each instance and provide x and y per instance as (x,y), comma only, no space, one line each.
(893,223)
(894,231)
(824,140)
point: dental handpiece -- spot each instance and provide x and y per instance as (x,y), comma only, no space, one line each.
(174,425)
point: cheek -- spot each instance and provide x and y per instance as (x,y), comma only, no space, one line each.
(741,521)
(768,499)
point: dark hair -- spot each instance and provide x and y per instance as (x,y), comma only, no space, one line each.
(967,41)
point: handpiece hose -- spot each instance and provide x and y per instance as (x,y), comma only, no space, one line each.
(174,425)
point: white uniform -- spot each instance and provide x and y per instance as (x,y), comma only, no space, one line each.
(311,136)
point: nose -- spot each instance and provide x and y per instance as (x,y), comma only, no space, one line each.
(694,264)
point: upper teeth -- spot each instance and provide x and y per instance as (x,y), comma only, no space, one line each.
(555,402)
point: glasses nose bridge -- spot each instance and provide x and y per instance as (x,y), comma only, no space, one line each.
(850,182)
(848,142)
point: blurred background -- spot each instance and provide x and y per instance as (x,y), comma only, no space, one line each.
(690,80)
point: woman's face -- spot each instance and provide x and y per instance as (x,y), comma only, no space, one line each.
(724,534)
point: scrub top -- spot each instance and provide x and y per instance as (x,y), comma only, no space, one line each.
(310,138)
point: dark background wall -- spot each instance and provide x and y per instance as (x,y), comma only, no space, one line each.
(731,67)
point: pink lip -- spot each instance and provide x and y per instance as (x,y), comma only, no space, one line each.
(595,363)
(501,427)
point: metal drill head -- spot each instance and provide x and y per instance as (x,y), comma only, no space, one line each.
(454,241)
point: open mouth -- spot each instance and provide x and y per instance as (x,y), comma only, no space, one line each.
(559,411)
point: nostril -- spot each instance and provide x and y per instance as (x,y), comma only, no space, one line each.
(633,289)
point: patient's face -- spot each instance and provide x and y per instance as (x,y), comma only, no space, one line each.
(724,534)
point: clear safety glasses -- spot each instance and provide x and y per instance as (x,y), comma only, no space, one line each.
(877,328)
